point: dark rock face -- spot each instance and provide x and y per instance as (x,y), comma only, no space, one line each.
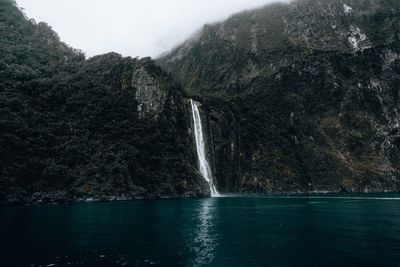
(313,96)
(151,92)
(223,132)
(264,41)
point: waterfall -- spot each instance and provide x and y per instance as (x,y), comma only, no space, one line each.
(204,166)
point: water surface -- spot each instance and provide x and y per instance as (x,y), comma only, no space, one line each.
(317,230)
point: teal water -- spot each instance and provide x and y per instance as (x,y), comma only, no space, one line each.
(318,230)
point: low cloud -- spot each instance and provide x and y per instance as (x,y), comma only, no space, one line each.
(130,27)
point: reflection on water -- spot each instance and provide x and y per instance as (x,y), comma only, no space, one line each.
(317,230)
(204,237)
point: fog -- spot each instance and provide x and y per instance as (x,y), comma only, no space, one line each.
(130,27)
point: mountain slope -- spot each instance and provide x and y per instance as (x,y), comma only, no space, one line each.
(263,41)
(299,97)
(70,128)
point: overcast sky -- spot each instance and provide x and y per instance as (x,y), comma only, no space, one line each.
(130,27)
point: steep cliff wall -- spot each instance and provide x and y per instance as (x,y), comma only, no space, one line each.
(313,88)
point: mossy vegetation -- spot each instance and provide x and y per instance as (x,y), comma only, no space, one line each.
(69,126)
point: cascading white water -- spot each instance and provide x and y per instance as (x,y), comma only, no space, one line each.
(204,166)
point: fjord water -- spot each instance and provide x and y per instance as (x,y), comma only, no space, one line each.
(317,230)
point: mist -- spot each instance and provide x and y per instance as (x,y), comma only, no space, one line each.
(131,27)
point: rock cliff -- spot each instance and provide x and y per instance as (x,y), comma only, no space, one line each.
(300,97)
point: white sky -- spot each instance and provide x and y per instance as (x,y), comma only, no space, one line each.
(130,27)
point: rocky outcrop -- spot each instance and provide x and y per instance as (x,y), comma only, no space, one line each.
(151,90)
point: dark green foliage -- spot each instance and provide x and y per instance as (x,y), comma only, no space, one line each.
(69,127)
